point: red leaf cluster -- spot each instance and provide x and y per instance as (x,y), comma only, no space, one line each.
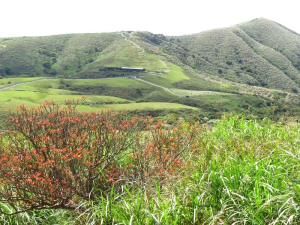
(52,156)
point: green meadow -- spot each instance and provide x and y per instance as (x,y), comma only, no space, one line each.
(143,106)
(191,93)
(32,94)
(119,94)
(176,74)
(4,82)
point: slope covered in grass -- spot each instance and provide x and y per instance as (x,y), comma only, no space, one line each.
(81,55)
(53,54)
(230,57)
(258,52)
(275,36)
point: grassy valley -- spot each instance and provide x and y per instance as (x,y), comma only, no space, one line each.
(119,94)
(165,95)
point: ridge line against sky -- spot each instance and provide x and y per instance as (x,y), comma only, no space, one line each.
(171,18)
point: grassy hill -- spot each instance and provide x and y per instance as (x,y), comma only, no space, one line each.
(259,52)
(75,55)
(252,67)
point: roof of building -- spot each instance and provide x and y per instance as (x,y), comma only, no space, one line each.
(131,68)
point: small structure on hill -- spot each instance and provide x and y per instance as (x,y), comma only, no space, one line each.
(132,69)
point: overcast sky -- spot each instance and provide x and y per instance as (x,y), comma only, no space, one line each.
(168,17)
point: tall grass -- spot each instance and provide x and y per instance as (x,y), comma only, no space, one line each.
(243,172)
(47,217)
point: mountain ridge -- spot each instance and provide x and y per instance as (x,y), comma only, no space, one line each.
(243,53)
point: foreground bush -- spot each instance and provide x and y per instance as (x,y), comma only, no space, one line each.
(54,157)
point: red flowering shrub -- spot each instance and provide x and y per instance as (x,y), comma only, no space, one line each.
(52,156)
(162,152)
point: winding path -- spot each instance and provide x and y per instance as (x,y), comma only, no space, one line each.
(35,81)
(162,87)
(18,84)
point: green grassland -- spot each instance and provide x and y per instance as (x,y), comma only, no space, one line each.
(4,82)
(117,94)
(113,82)
(235,54)
(176,74)
(141,106)
(36,97)
(229,56)
(122,54)
(177,78)
(124,88)
(36,93)
(191,93)
(142,98)
(275,58)
(195,83)
(128,55)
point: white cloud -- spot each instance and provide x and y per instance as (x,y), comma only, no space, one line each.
(44,17)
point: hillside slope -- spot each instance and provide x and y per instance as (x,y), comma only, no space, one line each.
(257,53)
(74,55)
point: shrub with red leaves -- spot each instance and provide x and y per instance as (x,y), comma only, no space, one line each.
(53,156)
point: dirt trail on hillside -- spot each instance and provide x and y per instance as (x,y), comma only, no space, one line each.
(35,81)
(165,65)
(18,84)
(162,87)
(135,44)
